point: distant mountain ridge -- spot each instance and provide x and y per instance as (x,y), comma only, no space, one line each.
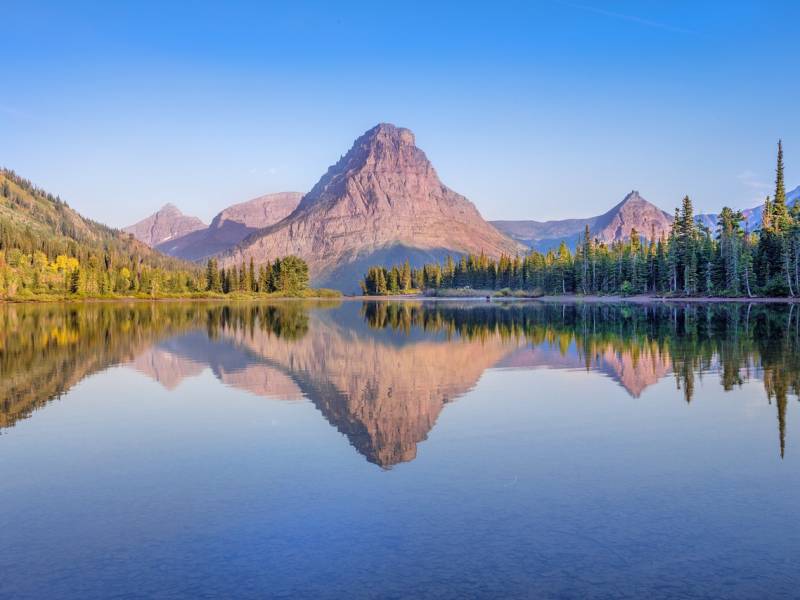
(752,216)
(232,225)
(381,202)
(173,233)
(634,212)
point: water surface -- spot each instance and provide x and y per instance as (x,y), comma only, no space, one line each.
(399,450)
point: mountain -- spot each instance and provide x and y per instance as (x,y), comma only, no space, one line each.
(752,216)
(231,226)
(166,224)
(382,202)
(634,212)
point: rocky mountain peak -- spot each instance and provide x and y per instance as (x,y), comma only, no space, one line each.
(385,151)
(632,197)
(633,212)
(392,133)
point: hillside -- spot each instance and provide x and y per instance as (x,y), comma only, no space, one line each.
(47,248)
(634,212)
(381,201)
(35,219)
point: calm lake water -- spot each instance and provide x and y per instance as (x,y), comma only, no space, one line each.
(399,450)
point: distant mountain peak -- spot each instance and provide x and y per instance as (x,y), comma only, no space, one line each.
(165,224)
(232,225)
(633,212)
(752,216)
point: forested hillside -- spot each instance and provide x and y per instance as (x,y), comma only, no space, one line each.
(46,247)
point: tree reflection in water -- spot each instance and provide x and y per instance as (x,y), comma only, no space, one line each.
(381,372)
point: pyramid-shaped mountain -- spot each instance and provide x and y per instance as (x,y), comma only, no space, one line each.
(382,202)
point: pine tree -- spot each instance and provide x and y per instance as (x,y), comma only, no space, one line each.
(394,280)
(213,279)
(405,277)
(75,281)
(780,213)
(730,241)
(381,288)
(242,279)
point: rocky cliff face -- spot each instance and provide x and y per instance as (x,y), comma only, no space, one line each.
(382,201)
(232,225)
(167,224)
(634,212)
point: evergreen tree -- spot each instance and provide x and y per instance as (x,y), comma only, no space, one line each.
(731,238)
(405,277)
(250,282)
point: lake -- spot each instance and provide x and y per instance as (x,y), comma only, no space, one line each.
(399,450)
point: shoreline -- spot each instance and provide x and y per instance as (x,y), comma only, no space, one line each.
(136,299)
(566,299)
(594,299)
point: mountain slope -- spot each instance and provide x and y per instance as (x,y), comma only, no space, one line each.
(382,199)
(32,219)
(166,224)
(228,228)
(634,212)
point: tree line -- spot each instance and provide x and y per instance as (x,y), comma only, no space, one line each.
(107,275)
(690,261)
(288,276)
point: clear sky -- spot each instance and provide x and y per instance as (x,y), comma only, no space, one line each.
(533,110)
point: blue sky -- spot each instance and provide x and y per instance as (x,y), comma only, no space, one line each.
(533,110)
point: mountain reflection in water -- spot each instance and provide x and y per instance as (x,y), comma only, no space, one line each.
(381,372)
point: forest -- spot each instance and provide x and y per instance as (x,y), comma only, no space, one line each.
(691,261)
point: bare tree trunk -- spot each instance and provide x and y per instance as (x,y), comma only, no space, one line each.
(747,283)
